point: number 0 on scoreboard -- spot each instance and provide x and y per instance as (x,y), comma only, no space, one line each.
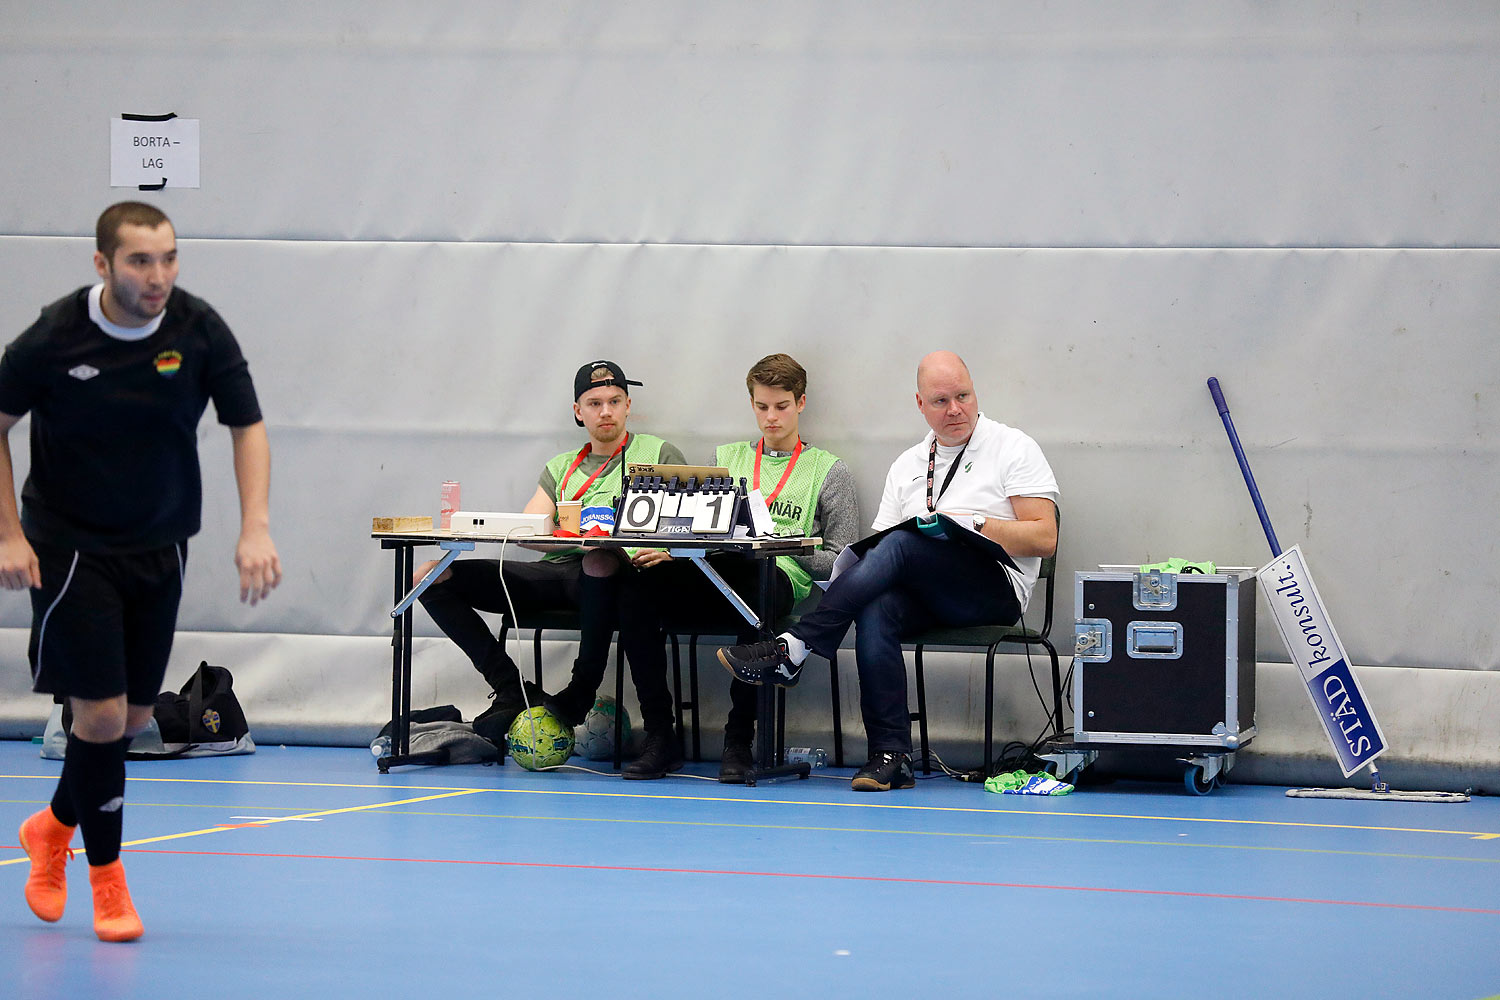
(641,512)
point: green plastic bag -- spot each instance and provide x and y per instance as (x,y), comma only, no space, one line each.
(1023,783)
(1180,566)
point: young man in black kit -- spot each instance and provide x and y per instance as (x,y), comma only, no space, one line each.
(116,378)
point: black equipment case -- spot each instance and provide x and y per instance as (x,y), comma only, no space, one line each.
(1164,658)
(1163,661)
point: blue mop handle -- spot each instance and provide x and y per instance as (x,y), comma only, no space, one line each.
(1239,453)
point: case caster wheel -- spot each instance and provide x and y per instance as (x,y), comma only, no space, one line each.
(1194,781)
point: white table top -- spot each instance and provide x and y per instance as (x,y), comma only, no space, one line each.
(777,544)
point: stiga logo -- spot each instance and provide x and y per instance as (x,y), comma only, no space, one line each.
(168,363)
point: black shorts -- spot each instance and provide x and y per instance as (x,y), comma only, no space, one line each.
(102,625)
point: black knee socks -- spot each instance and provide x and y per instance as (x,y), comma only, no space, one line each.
(91,794)
(62,799)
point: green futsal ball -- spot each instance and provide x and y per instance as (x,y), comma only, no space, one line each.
(595,739)
(538,739)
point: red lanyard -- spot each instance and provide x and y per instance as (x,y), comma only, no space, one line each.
(582,454)
(760,447)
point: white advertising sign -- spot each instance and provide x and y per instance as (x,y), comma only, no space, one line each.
(1340,702)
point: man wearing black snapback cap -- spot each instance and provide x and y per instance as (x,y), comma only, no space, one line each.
(600,375)
(593,475)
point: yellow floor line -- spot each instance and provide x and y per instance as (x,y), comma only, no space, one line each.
(795,828)
(737,800)
(224,827)
(954,834)
(310,815)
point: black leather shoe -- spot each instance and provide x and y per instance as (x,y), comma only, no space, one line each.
(736,762)
(494,722)
(567,707)
(885,770)
(661,755)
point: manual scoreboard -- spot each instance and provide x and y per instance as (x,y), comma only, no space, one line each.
(677,501)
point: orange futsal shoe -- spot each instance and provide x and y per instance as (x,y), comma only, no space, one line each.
(45,842)
(115,918)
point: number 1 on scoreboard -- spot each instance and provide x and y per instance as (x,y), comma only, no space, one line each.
(715,514)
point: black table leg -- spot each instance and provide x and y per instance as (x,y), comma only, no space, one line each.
(401,630)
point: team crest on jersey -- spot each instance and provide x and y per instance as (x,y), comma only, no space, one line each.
(83,372)
(168,363)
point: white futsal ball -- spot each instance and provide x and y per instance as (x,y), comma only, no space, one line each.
(595,739)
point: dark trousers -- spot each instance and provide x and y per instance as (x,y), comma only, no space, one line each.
(675,596)
(906,583)
(454,606)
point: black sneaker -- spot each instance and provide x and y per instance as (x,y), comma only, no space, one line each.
(662,754)
(758,662)
(736,762)
(886,770)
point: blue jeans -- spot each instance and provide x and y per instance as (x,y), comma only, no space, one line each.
(906,583)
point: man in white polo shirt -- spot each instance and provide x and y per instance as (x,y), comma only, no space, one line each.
(978,472)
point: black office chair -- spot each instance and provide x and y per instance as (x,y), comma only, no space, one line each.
(991,637)
(551,620)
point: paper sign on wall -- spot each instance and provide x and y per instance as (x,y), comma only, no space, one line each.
(151,152)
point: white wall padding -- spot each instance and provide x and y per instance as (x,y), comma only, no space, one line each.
(1355,378)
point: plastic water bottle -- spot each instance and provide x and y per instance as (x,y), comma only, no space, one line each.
(381,747)
(814,756)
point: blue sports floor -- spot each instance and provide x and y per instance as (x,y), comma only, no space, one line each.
(304,872)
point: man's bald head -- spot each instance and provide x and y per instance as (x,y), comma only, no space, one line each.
(945,395)
(940,363)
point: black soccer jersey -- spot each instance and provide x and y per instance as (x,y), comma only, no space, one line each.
(114,423)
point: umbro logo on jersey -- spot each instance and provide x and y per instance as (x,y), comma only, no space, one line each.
(83,372)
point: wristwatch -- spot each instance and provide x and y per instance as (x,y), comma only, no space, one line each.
(979,520)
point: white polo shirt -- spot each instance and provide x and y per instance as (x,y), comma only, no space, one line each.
(999,462)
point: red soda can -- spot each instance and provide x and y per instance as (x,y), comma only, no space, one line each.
(449,495)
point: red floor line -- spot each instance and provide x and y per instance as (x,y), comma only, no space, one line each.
(842,878)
